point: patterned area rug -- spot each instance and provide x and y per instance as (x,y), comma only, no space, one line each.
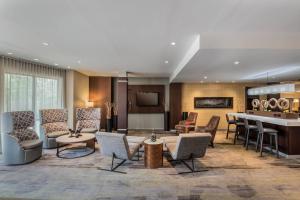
(233,173)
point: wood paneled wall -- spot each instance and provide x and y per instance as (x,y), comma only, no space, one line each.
(100,91)
(122,104)
(175,103)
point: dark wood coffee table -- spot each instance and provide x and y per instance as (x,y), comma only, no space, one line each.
(153,155)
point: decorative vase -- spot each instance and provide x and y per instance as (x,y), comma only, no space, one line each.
(153,137)
(115,122)
(108,125)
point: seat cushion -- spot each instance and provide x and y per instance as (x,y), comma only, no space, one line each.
(231,122)
(57,134)
(31,144)
(135,139)
(270,130)
(89,130)
(252,127)
(133,148)
(172,149)
(169,139)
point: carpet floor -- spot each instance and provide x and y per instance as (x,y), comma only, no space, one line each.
(233,173)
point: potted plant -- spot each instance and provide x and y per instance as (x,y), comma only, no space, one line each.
(108,106)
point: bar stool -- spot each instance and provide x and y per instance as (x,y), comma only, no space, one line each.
(239,125)
(268,131)
(229,122)
(250,129)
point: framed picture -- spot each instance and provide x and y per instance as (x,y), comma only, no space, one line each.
(213,102)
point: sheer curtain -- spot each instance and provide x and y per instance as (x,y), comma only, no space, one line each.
(30,86)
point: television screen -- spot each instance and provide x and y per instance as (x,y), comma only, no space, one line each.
(147,99)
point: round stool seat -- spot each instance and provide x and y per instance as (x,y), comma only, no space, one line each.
(240,123)
(231,122)
(252,127)
(270,130)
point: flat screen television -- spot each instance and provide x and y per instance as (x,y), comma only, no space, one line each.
(147,99)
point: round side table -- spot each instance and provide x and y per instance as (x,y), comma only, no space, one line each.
(153,155)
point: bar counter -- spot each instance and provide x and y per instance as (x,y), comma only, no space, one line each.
(289,131)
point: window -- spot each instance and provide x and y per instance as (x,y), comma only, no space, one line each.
(26,92)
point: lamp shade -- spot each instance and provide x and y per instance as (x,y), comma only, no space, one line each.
(90,104)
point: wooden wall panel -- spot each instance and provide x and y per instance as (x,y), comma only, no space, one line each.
(175,103)
(134,89)
(122,104)
(100,91)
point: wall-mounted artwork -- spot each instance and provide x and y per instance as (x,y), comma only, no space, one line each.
(213,102)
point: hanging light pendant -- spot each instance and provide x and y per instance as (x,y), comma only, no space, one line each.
(273,89)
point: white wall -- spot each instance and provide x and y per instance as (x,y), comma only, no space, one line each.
(149,120)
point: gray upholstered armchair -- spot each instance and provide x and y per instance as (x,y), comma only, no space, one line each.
(88,119)
(21,144)
(53,125)
(118,146)
(187,147)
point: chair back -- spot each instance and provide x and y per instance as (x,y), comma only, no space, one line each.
(192,118)
(54,120)
(113,143)
(227,118)
(88,118)
(193,144)
(213,126)
(246,122)
(260,126)
(19,120)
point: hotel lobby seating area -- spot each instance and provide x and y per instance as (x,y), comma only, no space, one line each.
(149,100)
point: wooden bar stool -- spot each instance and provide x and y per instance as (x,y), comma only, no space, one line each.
(239,125)
(267,131)
(250,129)
(229,122)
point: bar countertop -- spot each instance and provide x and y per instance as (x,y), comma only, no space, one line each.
(271,120)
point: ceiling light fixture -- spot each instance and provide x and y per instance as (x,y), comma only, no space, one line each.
(79,61)
(55,64)
(205,77)
(45,43)
(217,81)
(36,59)
(237,62)
(201,81)
(173,43)
(10,53)
(166,62)
(68,67)
(232,81)
(273,89)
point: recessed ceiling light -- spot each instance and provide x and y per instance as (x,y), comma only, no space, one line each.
(68,67)
(232,81)
(79,61)
(217,81)
(205,77)
(166,62)
(55,64)
(10,53)
(36,59)
(45,43)
(173,43)
(236,62)
(201,81)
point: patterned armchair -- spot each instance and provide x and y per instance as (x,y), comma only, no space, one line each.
(21,144)
(211,128)
(88,120)
(187,125)
(53,125)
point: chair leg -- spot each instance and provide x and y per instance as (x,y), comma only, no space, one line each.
(257,141)
(235,135)
(247,138)
(261,144)
(191,168)
(112,167)
(227,131)
(276,143)
(271,143)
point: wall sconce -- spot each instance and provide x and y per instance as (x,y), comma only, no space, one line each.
(90,104)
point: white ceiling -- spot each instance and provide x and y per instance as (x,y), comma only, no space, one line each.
(113,36)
